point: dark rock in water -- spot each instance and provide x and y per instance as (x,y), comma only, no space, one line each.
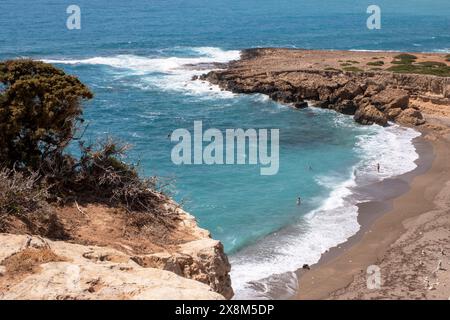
(301,105)
(282,96)
(306,267)
(346,107)
(195,78)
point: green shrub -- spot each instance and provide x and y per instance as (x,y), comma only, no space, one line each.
(352,69)
(432,64)
(406,64)
(331,69)
(39,108)
(405,58)
(431,69)
(375,63)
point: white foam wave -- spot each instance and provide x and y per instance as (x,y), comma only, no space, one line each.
(391,148)
(374,50)
(445,50)
(333,222)
(167,73)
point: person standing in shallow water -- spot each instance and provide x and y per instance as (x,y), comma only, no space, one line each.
(299,201)
(378,167)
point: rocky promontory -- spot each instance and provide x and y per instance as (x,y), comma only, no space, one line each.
(343,81)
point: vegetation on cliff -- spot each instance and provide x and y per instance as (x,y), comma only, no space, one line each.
(94,199)
(40,115)
(406,63)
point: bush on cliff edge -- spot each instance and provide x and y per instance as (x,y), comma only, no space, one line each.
(40,113)
(39,108)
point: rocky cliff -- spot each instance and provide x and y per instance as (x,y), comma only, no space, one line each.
(37,268)
(292,76)
(106,257)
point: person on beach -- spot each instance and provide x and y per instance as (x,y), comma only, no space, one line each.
(378,167)
(299,201)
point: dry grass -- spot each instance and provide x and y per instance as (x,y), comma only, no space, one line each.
(30,204)
(100,175)
(21,194)
(24,207)
(29,260)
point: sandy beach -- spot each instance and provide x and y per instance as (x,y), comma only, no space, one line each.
(407,243)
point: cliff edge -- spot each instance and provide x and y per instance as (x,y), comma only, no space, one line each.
(107,254)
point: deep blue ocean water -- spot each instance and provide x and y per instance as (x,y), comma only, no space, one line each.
(133,54)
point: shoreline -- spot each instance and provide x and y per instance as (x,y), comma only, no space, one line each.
(382,225)
(382,193)
(415,98)
(385,192)
(370,211)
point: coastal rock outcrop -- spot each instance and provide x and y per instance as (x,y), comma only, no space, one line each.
(201,260)
(109,258)
(38,268)
(369,115)
(371,96)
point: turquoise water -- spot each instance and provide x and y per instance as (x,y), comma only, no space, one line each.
(133,55)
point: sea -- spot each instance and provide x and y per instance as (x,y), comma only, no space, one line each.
(138,57)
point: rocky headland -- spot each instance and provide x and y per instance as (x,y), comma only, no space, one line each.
(346,82)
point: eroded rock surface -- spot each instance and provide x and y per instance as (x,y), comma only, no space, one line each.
(74,271)
(172,260)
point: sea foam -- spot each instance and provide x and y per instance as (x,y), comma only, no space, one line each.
(167,73)
(265,270)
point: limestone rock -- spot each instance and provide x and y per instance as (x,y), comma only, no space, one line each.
(391,98)
(346,107)
(410,116)
(370,115)
(89,272)
(209,265)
